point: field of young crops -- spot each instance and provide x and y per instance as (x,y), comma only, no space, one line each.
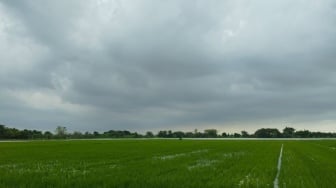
(168,163)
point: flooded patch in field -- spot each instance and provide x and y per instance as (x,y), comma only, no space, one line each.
(202,163)
(173,156)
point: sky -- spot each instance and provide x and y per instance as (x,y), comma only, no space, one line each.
(149,65)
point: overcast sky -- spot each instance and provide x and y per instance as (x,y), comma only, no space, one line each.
(149,65)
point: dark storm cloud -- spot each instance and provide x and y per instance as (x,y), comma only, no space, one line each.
(167,65)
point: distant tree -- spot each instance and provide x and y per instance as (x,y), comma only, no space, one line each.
(288,132)
(237,135)
(47,135)
(149,134)
(26,134)
(12,133)
(303,134)
(162,134)
(96,134)
(113,134)
(245,134)
(87,134)
(267,133)
(125,133)
(61,132)
(136,135)
(170,134)
(189,135)
(2,131)
(199,135)
(77,134)
(211,133)
(224,134)
(37,134)
(178,134)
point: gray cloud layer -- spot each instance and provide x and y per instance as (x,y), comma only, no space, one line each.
(149,65)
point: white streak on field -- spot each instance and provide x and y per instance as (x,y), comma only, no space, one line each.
(55,167)
(168,157)
(276,180)
(202,163)
(233,154)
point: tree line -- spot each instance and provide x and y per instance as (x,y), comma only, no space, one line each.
(62,133)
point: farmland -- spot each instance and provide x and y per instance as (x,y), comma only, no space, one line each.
(167,163)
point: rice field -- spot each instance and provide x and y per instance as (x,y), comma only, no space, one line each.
(168,163)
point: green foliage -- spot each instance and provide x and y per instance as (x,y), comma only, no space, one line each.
(13,133)
(212,133)
(61,133)
(267,133)
(245,134)
(288,132)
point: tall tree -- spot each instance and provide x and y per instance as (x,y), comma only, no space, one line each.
(61,132)
(288,132)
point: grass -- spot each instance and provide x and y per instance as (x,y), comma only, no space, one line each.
(309,164)
(167,163)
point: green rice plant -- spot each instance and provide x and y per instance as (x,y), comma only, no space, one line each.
(309,164)
(165,163)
